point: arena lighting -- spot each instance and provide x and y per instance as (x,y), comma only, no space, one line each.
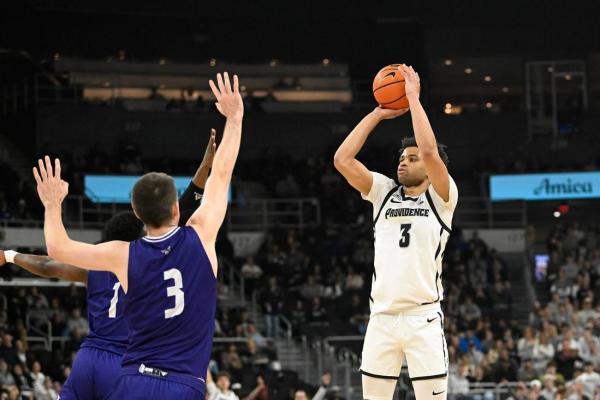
(162,61)
(487,78)
(568,77)
(556,214)
(326,62)
(468,71)
(488,105)
(564,208)
(212,62)
(274,62)
(505,89)
(448,105)
(448,62)
(56,56)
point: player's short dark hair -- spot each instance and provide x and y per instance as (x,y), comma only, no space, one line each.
(152,197)
(123,226)
(412,142)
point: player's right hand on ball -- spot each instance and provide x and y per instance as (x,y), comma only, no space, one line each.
(386,113)
(229,101)
(2,258)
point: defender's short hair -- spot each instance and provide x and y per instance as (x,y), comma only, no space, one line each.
(412,142)
(123,226)
(152,197)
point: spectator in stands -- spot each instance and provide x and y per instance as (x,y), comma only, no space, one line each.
(590,380)
(251,272)
(258,339)
(261,391)
(22,381)
(549,389)
(590,346)
(272,304)
(527,371)
(317,314)
(526,344)
(469,310)
(567,352)
(6,378)
(21,351)
(220,390)
(505,368)
(357,314)
(458,384)
(231,360)
(37,377)
(542,353)
(7,351)
(586,313)
(562,286)
(301,394)
(354,281)
(311,288)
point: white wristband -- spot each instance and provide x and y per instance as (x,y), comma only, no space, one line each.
(10,255)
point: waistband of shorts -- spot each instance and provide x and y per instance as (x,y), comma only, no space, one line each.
(156,373)
(415,310)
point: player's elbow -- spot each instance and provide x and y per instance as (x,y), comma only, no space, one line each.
(340,161)
(54,250)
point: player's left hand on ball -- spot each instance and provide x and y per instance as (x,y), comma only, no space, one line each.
(2,258)
(229,101)
(412,82)
(50,187)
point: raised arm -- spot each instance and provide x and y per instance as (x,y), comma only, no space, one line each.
(109,256)
(437,172)
(207,219)
(355,172)
(190,199)
(44,266)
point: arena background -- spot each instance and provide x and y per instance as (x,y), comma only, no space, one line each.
(121,88)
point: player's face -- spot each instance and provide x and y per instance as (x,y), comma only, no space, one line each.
(411,169)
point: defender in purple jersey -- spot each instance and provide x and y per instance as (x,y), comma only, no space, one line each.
(169,276)
(97,367)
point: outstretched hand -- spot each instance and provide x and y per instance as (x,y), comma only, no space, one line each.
(229,101)
(50,187)
(211,149)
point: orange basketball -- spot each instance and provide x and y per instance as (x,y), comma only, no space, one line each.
(388,88)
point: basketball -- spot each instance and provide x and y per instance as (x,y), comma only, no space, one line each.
(388,88)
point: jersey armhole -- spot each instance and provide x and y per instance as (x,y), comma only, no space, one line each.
(214,268)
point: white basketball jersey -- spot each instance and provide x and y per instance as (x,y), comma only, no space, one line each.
(410,238)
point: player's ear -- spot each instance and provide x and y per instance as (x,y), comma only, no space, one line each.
(175,210)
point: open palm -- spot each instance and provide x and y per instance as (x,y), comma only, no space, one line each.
(229,101)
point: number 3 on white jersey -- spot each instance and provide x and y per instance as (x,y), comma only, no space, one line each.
(176,291)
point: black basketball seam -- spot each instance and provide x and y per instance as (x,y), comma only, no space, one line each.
(393,101)
(387,84)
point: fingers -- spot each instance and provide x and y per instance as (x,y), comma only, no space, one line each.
(214,89)
(227,82)
(220,83)
(37,177)
(48,167)
(236,84)
(43,173)
(57,168)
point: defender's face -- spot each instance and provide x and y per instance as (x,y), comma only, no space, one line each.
(411,169)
